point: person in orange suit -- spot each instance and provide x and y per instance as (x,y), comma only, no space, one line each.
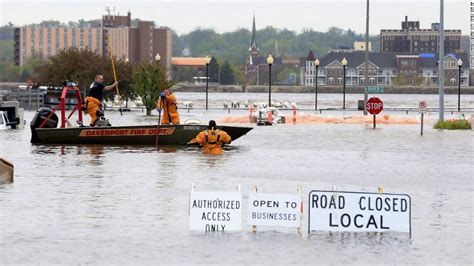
(212,139)
(93,101)
(167,105)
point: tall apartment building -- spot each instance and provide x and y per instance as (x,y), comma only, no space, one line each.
(45,42)
(136,44)
(412,39)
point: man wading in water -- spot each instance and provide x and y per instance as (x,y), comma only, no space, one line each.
(212,140)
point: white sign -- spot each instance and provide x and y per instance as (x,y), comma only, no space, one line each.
(215,211)
(274,210)
(422,106)
(358,212)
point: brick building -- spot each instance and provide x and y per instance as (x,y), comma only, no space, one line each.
(138,43)
(411,39)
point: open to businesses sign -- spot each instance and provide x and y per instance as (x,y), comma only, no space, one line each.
(281,210)
(358,212)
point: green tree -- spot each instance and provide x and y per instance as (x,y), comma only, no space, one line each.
(288,76)
(6,50)
(227,75)
(238,74)
(213,70)
(6,31)
(9,72)
(82,66)
(184,74)
(28,67)
(149,79)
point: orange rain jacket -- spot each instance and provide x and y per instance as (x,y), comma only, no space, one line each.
(211,141)
(169,110)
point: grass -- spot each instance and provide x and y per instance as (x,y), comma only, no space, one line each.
(452,124)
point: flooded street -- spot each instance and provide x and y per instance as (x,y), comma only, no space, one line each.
(129,204)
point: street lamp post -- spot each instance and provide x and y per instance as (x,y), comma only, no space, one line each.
(459,84)
(316,64)
(344,65)
(269,62)
(208,60)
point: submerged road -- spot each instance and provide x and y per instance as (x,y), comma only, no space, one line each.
(129,204)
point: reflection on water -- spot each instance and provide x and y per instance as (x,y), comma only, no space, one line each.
(129,204)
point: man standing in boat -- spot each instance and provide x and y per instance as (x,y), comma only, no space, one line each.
(94,96)
(167,105)
(212,139)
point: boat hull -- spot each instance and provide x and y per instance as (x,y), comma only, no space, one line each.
(6,171)
(128,135)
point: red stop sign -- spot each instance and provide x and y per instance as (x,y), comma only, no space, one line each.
(374,105)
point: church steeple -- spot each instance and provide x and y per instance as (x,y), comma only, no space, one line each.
(277,50)
(253,42)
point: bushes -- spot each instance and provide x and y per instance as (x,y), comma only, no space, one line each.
(453,124)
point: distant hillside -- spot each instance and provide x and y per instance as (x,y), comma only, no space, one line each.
(233,46)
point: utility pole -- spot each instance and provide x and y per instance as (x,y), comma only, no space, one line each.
(441,61)
(366,81)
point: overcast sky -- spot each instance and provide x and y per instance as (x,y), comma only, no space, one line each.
(224,16)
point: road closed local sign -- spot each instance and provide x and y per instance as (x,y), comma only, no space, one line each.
(358,212)
(267,209)
(215,211)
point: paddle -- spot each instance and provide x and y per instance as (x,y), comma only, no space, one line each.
(158,127)
(115,76)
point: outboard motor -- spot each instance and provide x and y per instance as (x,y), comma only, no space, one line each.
(41,116)
(101,121)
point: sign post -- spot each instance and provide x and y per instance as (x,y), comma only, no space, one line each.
(422,110)
(374,106)
(342,211)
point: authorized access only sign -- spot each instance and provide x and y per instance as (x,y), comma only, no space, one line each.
(267,209)
(358,212)
(215,211)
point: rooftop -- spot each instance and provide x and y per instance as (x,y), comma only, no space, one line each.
(188,61)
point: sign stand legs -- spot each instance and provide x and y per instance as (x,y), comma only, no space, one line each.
(254,227)
(422,124)
(299,190)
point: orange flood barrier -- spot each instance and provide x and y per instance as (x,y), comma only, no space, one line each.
(317,119)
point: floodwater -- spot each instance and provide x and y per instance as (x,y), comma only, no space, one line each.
(129,204)
(329,100)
